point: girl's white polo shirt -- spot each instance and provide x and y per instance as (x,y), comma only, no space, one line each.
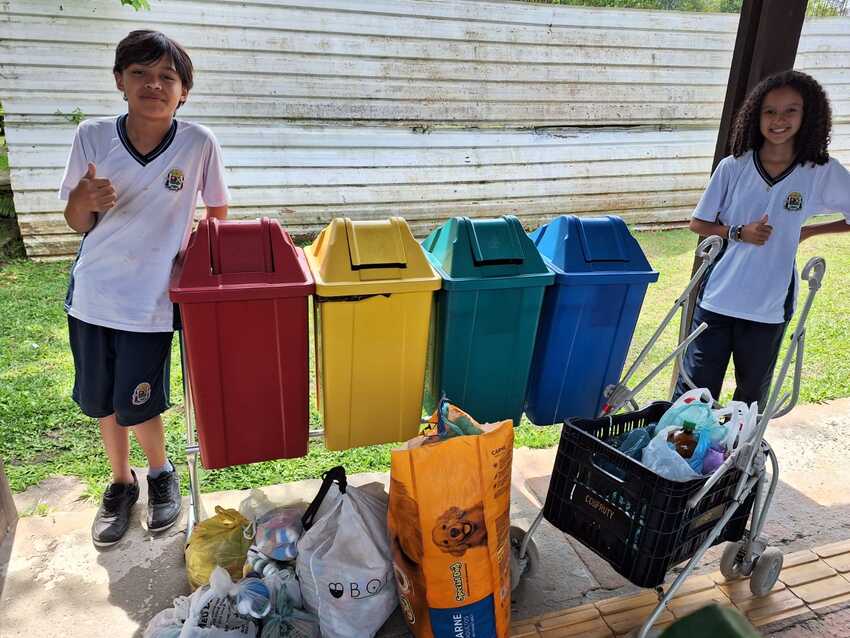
(752,282)
(121,275)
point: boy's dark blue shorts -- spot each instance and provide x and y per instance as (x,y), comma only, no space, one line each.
(120,372)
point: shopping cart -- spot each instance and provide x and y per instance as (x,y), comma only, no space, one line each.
(643,524)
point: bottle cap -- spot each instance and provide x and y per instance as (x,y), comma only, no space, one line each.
(688,426)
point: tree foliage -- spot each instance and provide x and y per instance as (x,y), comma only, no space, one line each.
(136,4)
(815,7)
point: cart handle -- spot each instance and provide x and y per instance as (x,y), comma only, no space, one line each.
(813,272)
(709,248)
(728,463)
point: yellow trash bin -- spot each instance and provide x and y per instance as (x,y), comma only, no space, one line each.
(374,290)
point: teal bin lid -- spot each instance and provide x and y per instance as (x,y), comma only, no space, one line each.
(579,247)
(486,253)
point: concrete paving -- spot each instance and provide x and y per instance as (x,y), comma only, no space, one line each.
(53,582)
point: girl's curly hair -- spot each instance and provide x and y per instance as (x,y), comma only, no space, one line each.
(812,139)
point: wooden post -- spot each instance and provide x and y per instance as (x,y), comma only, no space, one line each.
(767,40)
(768,36)
(8,513)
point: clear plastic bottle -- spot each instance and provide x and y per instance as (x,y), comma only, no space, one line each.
(684,440)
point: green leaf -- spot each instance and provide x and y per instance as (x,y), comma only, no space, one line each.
(137,4)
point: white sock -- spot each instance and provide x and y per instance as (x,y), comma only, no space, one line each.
(154,472)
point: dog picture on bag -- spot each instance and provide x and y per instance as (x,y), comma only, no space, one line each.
(459,529)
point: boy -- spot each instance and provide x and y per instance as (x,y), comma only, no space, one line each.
(131,186)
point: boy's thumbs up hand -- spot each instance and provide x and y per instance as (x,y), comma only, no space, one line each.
(93,194)
(757,232)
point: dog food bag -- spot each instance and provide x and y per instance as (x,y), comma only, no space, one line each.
(449,522)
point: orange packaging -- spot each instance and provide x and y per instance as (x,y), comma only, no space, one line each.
(449,522)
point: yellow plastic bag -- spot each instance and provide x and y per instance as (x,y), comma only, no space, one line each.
(217,541)
(449,522)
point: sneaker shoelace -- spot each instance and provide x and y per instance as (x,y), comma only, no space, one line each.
(161,488)
(112,497)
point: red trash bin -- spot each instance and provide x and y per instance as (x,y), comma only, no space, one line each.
(242,287)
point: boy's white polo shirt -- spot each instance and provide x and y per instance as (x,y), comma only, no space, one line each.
(752,282)
(121,275)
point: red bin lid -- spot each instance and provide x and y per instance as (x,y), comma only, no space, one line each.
(240,260)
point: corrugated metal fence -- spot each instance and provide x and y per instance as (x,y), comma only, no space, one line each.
(422,108)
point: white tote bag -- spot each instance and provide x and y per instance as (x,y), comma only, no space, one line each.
(344,563)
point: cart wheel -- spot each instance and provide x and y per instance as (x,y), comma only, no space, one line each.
(766,572)
(526,566)
(730,566)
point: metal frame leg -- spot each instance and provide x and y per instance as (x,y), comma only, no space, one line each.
(529,533)
(195,514)
(755,544)
(691,566)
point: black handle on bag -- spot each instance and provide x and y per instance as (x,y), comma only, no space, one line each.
(333,475)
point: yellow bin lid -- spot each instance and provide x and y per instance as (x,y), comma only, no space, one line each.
(367,258)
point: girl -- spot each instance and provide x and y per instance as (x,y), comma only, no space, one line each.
(779,175)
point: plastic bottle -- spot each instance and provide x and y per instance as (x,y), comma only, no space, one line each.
(634,442)
(684,441)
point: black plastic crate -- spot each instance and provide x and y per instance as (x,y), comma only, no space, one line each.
(633,518)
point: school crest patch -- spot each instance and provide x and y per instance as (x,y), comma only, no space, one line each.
(141,394)
(174,181)
(794,201)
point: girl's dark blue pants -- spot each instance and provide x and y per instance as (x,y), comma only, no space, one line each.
(753,346)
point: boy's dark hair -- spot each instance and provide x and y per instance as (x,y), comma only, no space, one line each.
(812,139)
(146,47)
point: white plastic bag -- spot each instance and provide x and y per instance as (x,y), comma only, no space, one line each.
(255,505)
(213,614)
(164,625)
(659,457)
(742,422)
(344,562)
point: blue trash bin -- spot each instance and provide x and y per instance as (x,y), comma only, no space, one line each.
(588,315)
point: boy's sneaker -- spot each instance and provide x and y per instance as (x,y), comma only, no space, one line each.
(164,501)
(113,517)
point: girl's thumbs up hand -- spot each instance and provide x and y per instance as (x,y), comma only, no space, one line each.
(757,232)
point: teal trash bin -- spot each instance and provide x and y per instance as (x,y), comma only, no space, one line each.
(588,316)
(485,318)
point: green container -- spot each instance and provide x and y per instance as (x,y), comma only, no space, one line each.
(711,622)
(485,318)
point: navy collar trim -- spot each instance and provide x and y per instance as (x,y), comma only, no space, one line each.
(144,160)
(772,181)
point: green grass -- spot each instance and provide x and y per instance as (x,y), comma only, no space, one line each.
(7,205)
(4,155)
(42,432)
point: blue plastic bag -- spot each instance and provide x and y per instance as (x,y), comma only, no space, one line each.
(696,406)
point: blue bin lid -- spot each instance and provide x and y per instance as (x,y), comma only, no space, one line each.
(602,247)
(485,253)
